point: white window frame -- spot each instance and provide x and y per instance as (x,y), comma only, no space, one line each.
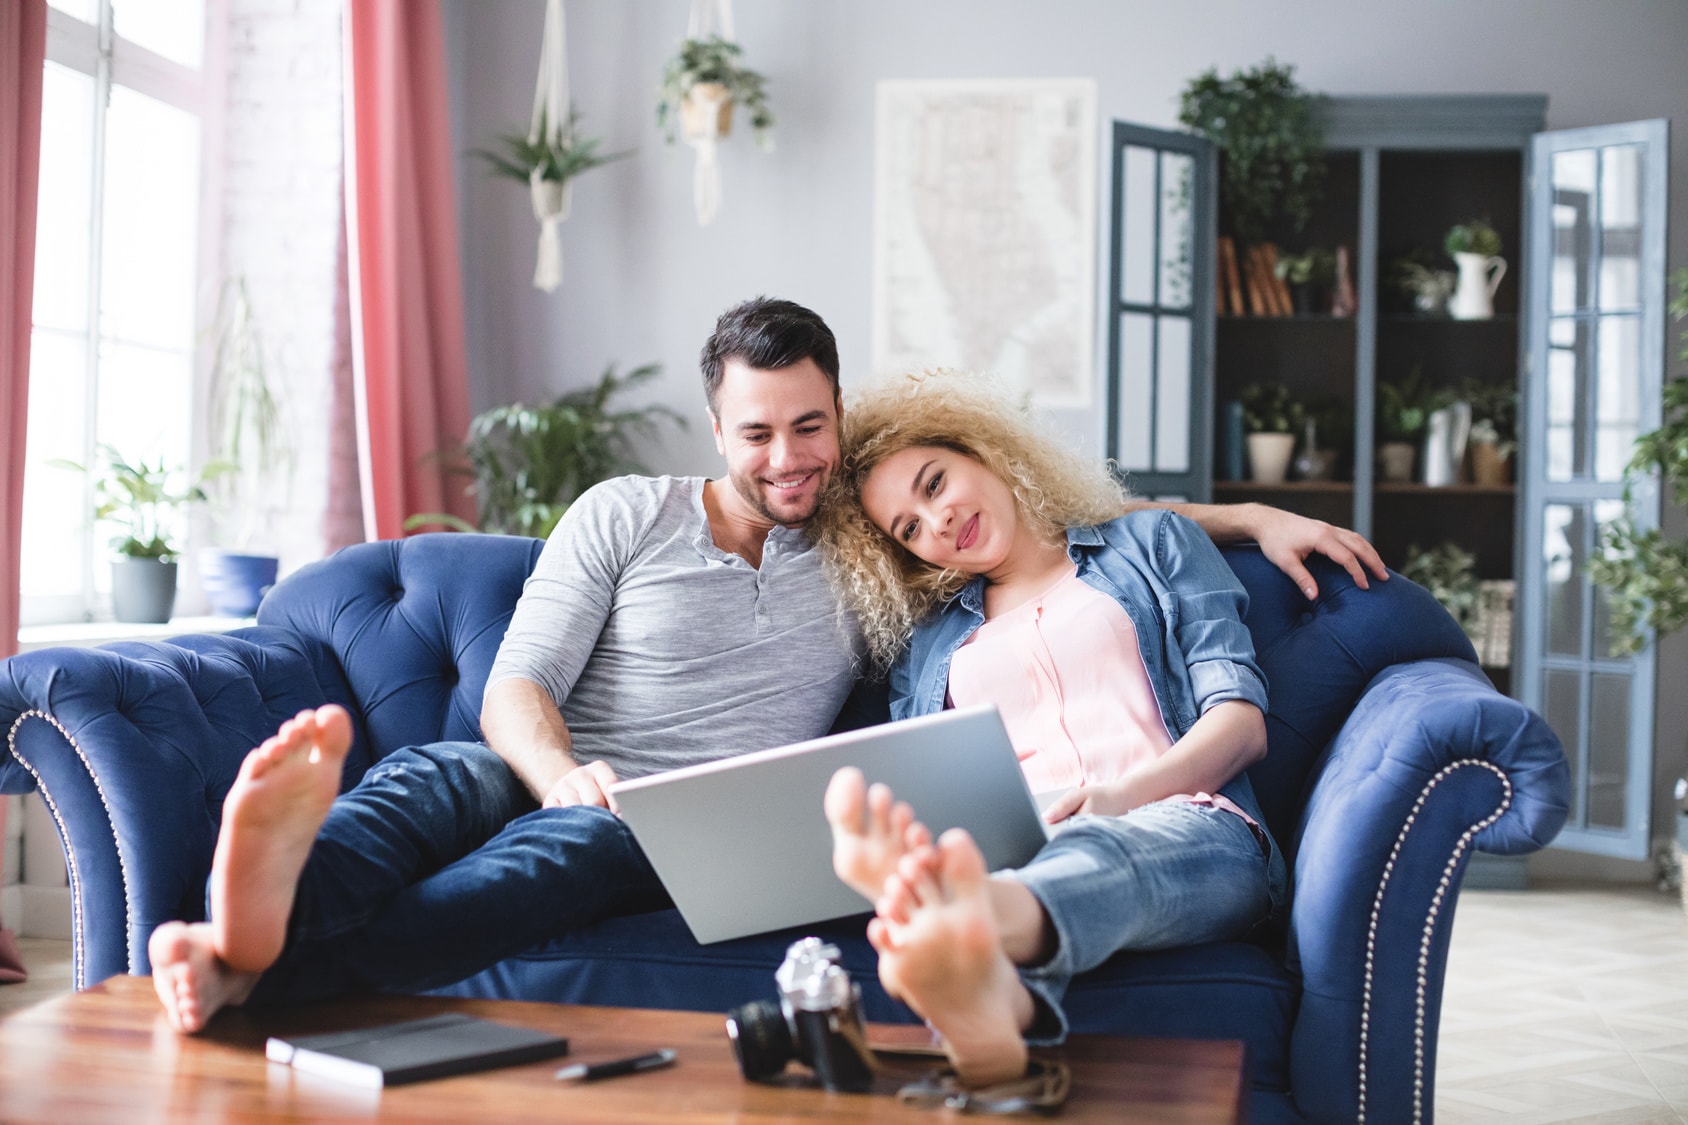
(96,50)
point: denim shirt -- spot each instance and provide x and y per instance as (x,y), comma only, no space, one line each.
(1183,600)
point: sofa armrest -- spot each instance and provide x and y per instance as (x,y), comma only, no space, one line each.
(1432,762)
(133,747)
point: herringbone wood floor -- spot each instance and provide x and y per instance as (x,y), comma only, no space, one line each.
(1563,1004)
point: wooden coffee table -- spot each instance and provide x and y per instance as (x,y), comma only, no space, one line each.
(106,1055)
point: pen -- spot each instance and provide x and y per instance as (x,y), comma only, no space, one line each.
(587,1073)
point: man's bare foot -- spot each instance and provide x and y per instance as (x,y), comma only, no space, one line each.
(940,953)
(870,832)
(191,981)
(270,821)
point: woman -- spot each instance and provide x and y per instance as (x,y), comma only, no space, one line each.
(988,564)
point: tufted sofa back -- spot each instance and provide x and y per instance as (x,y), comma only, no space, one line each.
(411,628)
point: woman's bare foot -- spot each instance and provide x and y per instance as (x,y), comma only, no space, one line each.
(191,981)
(270,821)
(939,951)
(870,832)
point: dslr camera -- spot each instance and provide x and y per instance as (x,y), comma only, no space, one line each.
(816,1021)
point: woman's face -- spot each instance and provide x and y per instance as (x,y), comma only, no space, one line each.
(945,507)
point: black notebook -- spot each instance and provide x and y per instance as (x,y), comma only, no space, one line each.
(435,1047)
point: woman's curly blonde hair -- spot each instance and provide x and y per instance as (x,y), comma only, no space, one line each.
(887,587)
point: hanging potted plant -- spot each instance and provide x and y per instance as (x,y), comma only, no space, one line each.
(251,459)
(700,86)
(1264,124)
(547,159)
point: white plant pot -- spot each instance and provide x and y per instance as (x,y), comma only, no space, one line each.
(706,112)
(1268,457)
(1474,293)
(1397,458)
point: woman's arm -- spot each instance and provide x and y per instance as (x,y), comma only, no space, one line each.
(1226,740)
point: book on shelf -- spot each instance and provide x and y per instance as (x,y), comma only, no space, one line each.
(1230,282)
(413,1050)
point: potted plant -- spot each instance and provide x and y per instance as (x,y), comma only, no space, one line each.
(1494,430)
(1403,410)
(1475,248)
(1645,573)
(1310,275)
(1273,168)
(700,86)
(530,462)
(548,161)
(1271,417)
(250,450)
(1449,572)
(142,499)
(1418,276)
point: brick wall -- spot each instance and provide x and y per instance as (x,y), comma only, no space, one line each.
(281,216)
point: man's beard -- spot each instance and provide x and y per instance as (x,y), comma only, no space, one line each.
(754,492)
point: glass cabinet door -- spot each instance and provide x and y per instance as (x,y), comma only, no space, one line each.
(1160,312)
(1596,313)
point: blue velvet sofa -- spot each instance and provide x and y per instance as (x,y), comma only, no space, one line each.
(1392,758)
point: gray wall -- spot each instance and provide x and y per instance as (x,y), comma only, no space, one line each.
(643,282)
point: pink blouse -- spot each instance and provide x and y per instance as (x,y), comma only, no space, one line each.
(1065,672)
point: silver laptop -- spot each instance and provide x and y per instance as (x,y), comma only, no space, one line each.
(743,845)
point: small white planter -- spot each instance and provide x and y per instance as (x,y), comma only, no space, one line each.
(1397,458)
(1268,457)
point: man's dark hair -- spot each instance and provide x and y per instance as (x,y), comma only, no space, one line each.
(767,334)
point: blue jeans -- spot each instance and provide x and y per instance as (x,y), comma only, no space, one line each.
(438,864)
(1167,874)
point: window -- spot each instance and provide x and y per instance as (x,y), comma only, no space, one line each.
(112,352)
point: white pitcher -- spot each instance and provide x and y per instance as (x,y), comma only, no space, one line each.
(1479,277)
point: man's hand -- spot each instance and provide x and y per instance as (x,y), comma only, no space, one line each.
(584,785)
(1286,539)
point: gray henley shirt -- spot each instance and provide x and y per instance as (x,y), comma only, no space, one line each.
(662,650)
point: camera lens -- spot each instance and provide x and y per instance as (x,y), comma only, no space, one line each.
(761,1038)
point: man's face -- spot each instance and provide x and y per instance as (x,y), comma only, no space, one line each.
(778,431)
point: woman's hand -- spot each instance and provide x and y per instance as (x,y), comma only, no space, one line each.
(1110,798)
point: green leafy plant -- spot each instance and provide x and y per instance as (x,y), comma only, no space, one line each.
(1265,124)
(248,439)
(1494,413)
(1268,408)
(529,463)
(1475,237)
(1644,572)
(1313,266)
(1404,407)
(719,61)
(1420,277)
(556,159)
(1449,572)
(142,497)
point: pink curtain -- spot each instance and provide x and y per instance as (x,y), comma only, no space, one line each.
(405,278)
(23,54)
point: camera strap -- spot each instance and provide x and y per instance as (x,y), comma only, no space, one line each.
(1042,1089)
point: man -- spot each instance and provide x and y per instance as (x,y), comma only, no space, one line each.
(668,621)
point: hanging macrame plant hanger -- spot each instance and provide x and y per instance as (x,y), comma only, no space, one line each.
(551,198)
(706,113)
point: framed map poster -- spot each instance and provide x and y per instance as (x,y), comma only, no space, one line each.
(985,232)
